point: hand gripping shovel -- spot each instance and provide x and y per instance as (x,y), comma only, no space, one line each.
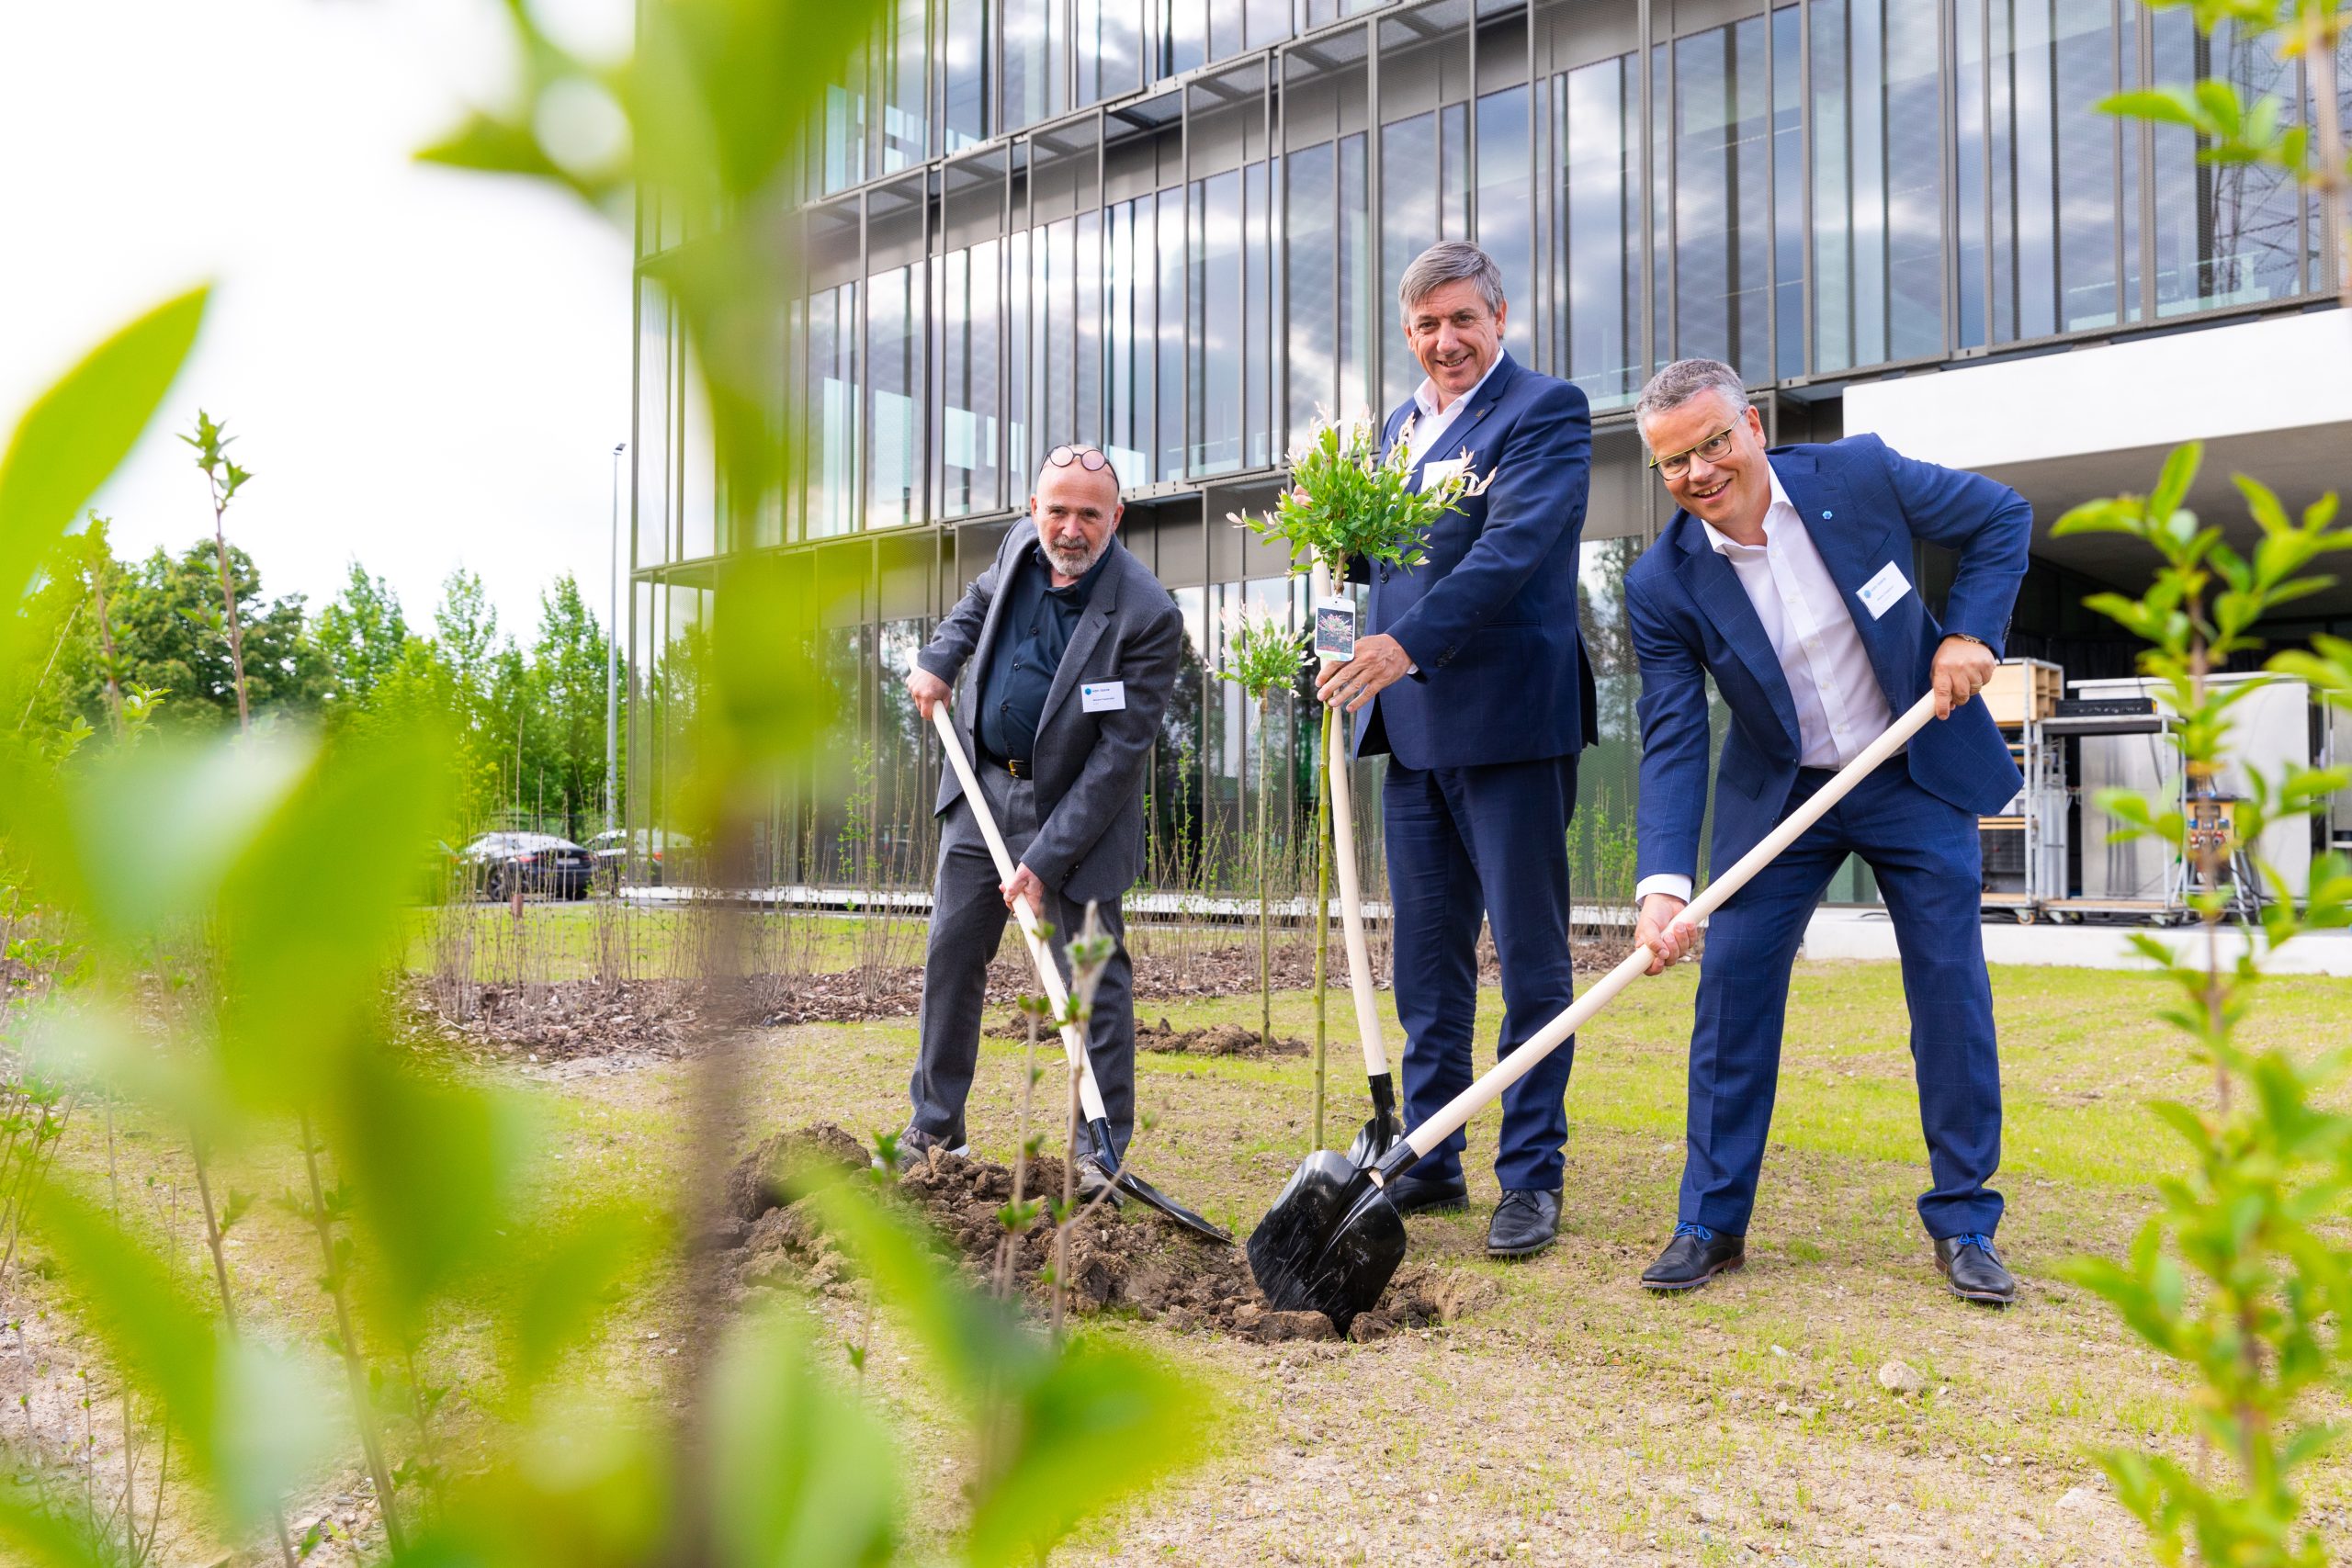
(1089,1097)
(1380,1134)
(1332,1239)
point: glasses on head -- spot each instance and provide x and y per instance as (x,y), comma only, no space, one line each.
(1713,449)
(1091,459)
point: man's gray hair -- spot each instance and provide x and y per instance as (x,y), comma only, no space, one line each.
(1450,261)
(1683,380)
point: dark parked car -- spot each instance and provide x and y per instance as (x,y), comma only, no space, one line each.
(498,863)
(616,847)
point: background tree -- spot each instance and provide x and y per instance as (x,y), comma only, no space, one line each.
(362,637)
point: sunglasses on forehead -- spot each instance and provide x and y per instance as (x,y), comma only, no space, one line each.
(1088,457)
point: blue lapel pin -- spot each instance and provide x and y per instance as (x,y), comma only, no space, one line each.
(1825,516)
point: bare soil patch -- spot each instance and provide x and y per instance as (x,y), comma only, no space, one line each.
(1121,1260)
(1214,1040)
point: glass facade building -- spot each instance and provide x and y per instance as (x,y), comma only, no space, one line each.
(1174,229)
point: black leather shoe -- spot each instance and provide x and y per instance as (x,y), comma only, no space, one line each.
(1429,1194)
(1695,1256)
(1973,1270)
(1525,1222)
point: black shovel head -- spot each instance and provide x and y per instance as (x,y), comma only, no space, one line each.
(1151,1197)
(1329,1243)
(1379,1134)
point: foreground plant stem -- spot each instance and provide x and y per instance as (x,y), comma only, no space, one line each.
(363,1408)
(1265,915)
(229,1314)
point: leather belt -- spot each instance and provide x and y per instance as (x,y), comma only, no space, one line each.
(1017,766)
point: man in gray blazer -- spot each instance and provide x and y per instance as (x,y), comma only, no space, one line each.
(1057,663)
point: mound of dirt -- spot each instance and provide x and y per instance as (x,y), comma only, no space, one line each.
(1214,1040)
(1127,1259)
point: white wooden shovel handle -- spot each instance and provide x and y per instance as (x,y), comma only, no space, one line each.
(1090,1096)
(1344,857)
(1520,1062)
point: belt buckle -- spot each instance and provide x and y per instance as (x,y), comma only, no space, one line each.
(1014,766)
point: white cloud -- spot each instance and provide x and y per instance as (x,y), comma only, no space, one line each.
(424,368)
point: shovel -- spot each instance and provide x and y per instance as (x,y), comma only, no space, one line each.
(1090,1096)
(1332,1239)
(1379,1134)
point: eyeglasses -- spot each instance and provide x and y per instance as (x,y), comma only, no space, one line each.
(1091,459)
(1713,449)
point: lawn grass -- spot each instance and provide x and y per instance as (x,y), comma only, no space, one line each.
(1575,1418)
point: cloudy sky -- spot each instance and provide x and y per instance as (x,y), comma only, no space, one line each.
(424,368)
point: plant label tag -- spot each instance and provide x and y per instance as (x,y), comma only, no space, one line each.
(1438,472)
(1882,593)
(1335,628)
(1102,696)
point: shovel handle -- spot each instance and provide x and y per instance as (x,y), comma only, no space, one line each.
(1343,858)
(1089,1096)
(1426,1137)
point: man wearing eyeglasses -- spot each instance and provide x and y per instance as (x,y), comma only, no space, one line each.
(1057,663)
(1788,577)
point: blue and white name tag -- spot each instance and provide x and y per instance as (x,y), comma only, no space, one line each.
(1883,591)
(1102,696)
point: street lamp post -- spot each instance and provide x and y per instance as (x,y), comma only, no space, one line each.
(613,647)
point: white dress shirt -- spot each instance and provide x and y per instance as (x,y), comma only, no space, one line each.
(1430,421)
(1841,709)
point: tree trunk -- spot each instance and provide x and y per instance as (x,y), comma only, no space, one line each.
(1322,912)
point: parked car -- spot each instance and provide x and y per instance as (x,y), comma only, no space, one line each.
(498,863)
(615,847)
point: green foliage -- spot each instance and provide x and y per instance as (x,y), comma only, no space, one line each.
(263,866)
(363,637)
(2242,1273)
(1347,503)
(1263,656)
(2265,132)
(71,439)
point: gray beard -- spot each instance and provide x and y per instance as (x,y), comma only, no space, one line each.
(1073,563)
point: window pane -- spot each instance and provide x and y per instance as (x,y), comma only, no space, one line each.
(1132,336)
(1506,200)
(1409,208)
(1257,348)
(2226,234)
(906,125)
(1170,400)
(894,344)
(1787,188)
(964,59)
(968,356)
(1597,149)
(1360,314)
(1311,259)
(1217,323)
(830,443)
(1110,44)
(1718,154)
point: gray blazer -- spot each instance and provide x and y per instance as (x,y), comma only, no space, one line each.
(1088,766)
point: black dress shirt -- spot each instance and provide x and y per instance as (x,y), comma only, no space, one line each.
(1037,621)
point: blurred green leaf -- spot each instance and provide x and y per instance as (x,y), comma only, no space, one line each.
(312,910)
(803,1475)
(75,435)
(1102,1424)
(562,1285)
(32,1535)
(434,1165)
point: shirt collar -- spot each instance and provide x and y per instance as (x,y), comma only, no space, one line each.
(1084,588)
(1723,544)
(1425,395)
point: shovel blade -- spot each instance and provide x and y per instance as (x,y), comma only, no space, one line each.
(1379,1134)
(1144,1192)
(1330,1243)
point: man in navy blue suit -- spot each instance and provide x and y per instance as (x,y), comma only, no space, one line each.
(1473,681)
(1787,576)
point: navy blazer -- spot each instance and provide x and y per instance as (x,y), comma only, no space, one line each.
(1864,503)
(1490,616)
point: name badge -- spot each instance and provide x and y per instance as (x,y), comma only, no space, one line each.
(1436,473)
(1883,591)
(1102,696)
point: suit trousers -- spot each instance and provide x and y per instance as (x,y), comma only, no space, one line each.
(1483,842)
(967,918)
(1927,856)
